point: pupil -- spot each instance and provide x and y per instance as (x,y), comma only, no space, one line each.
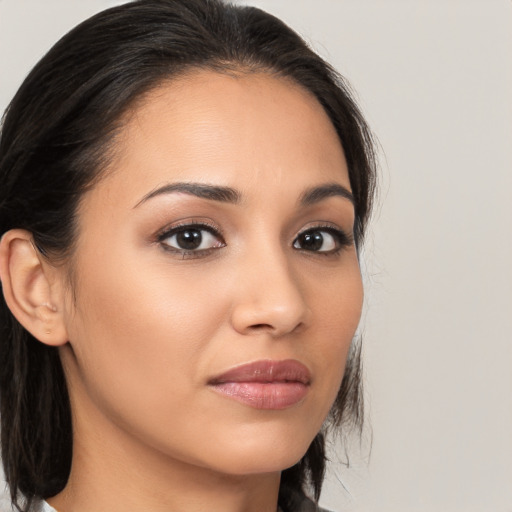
(312,241)
(190,239)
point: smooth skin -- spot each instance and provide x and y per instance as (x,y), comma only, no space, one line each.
(148,321)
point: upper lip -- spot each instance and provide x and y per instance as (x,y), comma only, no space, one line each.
(288,370)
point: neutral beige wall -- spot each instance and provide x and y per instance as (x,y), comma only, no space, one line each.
(434,78)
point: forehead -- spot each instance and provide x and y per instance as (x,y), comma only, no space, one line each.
(242,130)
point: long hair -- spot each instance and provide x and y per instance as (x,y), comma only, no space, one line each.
(57,135)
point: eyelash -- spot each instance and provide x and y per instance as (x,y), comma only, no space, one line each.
(341,238)
(189,226)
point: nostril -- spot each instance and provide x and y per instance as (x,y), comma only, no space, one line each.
(271,328)
(261,326)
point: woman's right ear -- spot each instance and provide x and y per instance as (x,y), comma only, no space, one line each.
(32,288)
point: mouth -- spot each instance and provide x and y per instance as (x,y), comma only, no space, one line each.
(266,384)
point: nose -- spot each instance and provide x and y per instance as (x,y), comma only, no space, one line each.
(269,298)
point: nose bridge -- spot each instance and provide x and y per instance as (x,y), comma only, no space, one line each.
(270,296)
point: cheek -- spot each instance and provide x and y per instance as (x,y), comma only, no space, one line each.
(337,314)
(141,328)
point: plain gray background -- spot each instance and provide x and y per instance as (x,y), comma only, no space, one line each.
(434,79)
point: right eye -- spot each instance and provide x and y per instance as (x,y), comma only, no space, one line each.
(191,238)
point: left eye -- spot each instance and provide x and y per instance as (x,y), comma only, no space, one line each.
(319,240)
(191,238)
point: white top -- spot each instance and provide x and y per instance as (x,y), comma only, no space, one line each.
(47,508)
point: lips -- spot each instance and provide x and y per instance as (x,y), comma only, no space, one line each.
(265,384)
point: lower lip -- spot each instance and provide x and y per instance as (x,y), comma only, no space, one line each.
(264,395)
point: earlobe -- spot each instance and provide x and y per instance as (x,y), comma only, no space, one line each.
(30,288)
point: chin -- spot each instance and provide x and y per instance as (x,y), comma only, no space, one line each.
(263,453)
(263,464)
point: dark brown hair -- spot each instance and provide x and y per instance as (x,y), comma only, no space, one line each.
(56,136)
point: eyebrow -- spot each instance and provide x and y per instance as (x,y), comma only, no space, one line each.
(224,194)
(316,194)
(204,191)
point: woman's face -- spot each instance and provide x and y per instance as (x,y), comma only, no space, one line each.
(216,283)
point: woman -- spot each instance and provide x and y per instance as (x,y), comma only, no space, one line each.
(185,186)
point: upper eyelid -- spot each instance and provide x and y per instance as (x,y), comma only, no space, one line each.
(329,228)
(169,230)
